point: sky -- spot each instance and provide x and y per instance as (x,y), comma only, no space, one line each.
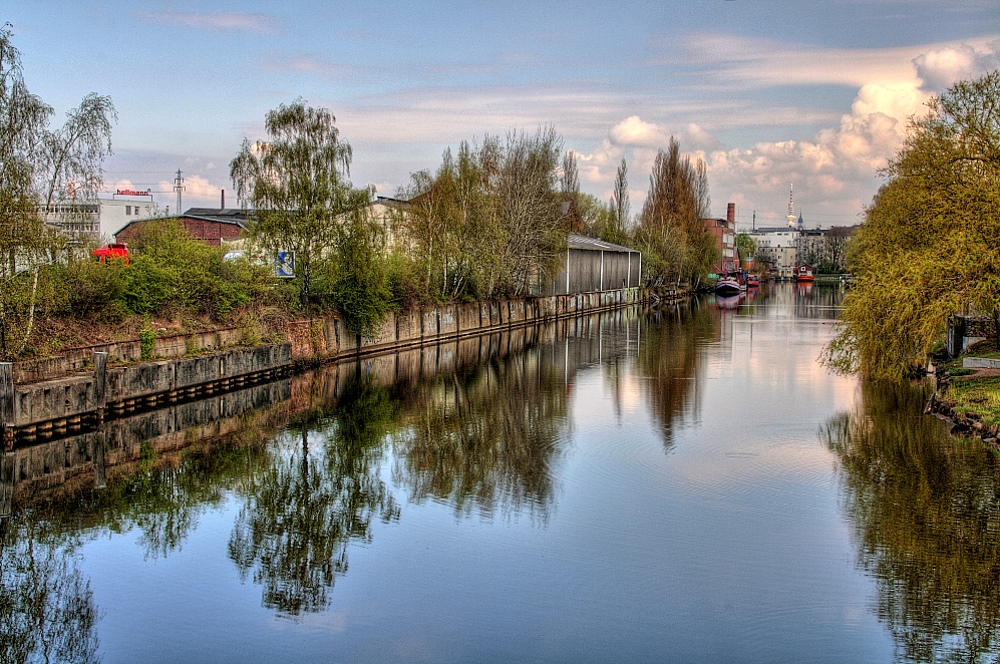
(769,94)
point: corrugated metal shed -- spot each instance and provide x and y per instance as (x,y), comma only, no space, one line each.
(594,265)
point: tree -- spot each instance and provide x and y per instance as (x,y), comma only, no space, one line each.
(296,183)
(619,218)
(671,231)
(489,222)
(746,246)
(361,289)
(38,166)
(930,244)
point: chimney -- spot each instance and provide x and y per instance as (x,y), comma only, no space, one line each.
(731,213)
(223,200)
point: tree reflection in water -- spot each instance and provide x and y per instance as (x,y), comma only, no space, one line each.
(47,609)
(669,356)
(485,440)
(318,493)
(926,513)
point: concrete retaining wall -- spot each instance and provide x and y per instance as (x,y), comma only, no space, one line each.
(27,401)
(67,400)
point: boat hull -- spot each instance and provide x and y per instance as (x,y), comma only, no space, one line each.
(728,287)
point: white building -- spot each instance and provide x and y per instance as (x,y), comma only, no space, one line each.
(124,207)
(777,246)
(99,220)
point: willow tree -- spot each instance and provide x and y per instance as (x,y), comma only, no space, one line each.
(39,166)
(297,184)
(930,244)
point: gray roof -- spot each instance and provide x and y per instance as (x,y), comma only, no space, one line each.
(593,244)
(237,216)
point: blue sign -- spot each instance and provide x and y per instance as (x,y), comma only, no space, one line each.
(284,267)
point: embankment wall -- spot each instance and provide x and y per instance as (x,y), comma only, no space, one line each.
(85,382)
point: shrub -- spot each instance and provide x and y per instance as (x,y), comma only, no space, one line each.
(147,342)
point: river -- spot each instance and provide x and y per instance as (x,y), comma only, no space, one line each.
(681,484)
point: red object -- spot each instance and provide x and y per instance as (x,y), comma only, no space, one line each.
(110,252)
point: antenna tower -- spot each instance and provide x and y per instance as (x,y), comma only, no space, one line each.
(179,187)
(791,206)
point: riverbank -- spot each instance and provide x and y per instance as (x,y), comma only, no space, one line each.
(58,393)
(967,392)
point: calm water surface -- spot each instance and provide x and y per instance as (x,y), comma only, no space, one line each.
(685,484)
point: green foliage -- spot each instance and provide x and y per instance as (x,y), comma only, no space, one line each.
(297,184)
(746,245)
(174,272)
(671,233)
(147,342)
(489,222)
(928,248)
(361,286)
(405,284)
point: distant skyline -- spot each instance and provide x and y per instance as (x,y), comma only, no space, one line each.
(768,93)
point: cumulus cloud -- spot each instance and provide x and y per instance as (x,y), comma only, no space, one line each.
(634,131)
(835,170)
(253,22)
(940,68)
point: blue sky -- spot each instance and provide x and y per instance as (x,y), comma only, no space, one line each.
(768,93)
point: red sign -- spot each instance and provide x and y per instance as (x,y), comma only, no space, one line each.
(133,192)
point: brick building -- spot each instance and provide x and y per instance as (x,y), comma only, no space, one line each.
(724,232)
(214,226)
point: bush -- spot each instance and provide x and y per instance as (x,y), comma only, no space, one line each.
(361,287)
(405,286)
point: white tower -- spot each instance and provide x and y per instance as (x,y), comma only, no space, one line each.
(179,187)
(792,219)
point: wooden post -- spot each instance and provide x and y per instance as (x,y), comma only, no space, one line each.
(100,383)
(6,484)
(7,403)
(100,467)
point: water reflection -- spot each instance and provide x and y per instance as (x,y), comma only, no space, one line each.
(670,358)
(47,608)
(486,438)
(317,493)
(926,515)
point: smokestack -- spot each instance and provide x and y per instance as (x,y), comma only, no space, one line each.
(731,213)
(223,207)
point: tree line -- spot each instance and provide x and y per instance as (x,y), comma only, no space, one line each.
(490,221)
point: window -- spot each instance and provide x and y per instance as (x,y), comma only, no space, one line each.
(128,210)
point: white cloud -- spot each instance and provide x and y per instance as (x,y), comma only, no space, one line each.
(747,62)
(634,131)
(940,68)
(835,170)
(258,23)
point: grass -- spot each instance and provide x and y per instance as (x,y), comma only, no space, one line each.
(974,396)
(978,397)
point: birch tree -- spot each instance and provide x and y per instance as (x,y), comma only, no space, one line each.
(39,166)
(297,185)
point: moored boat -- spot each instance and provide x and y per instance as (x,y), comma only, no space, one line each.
(803,273)
(728,286)
(752,281)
